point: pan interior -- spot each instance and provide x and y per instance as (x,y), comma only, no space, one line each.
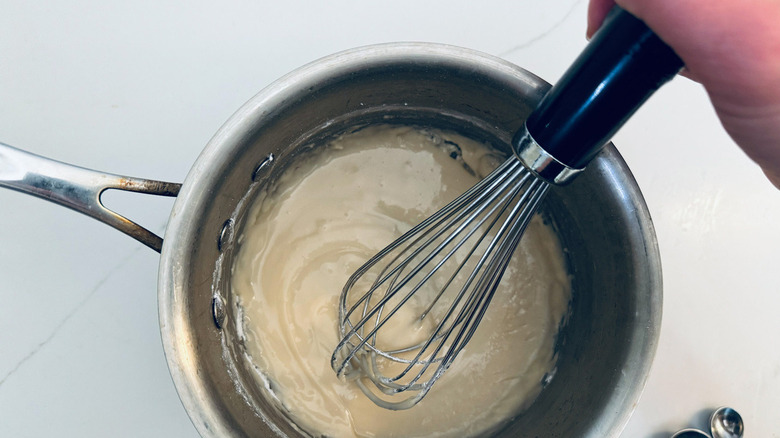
(606,348)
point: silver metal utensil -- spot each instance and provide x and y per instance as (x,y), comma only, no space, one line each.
(725,422)
(690,433)
(449,266)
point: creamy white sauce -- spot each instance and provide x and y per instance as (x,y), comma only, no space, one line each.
(324,218)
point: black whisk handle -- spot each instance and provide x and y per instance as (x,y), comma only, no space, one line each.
(624,63)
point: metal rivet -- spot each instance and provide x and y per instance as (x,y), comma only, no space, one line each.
(218,311)
(262,166)
(225,235)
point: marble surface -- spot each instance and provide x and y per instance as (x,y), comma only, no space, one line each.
(138,88)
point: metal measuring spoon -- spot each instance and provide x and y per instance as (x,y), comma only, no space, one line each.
(726,423)
(690,433)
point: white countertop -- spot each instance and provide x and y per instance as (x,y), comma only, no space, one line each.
(138,88)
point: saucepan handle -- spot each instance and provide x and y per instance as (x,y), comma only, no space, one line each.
(78,188)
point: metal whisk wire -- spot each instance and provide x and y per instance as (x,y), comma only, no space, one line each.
(622,66)
(487,220)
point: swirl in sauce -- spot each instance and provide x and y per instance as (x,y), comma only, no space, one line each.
(329,213)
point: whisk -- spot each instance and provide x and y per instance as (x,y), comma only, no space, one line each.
(406,313)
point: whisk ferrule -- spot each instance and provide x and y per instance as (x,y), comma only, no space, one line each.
(540,162)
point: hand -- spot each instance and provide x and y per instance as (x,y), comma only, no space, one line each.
(732,47)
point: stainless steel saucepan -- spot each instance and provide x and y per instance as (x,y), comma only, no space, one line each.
(607,346)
